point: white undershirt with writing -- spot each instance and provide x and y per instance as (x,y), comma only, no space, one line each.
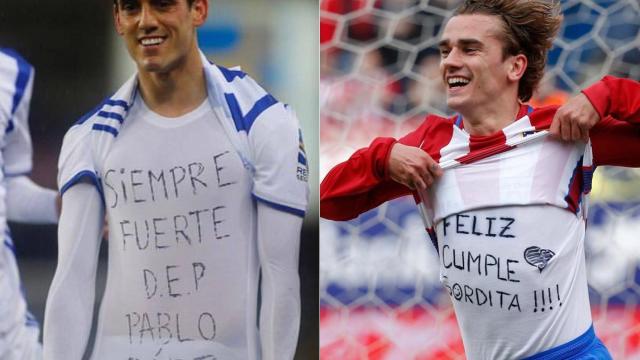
(510,232)
(183,269)
(516,276)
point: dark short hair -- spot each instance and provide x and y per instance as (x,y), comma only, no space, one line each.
(529,29)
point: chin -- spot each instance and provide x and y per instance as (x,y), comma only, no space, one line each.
(151,66)
(455,104)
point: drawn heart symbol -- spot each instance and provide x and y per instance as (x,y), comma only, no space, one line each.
(538,257)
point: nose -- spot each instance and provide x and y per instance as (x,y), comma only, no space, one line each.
(452,61)
(148,21)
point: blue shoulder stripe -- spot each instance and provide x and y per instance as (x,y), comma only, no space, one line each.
(107,101)
(280,207)
(111,115)
(231,74)
(236,113)
(260,106)
(90,175)
(101,127)
(245,122)
(93,111)
(24,72)
(121,103)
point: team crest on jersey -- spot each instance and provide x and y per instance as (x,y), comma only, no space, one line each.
(303,169)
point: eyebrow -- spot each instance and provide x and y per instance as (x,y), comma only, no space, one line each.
(462,42)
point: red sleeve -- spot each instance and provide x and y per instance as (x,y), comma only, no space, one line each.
(361,183)
(615,142)
(616,97)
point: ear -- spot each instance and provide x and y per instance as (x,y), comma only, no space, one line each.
(116,19)
(517,67)
(199,11)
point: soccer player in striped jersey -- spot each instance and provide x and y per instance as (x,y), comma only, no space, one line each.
(203,178)
(21,200)
(504,204)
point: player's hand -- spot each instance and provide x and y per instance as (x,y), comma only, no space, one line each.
(412,167)
(573,120)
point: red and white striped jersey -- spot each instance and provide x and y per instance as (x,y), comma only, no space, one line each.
(507,217)
(518,165)
(518,288)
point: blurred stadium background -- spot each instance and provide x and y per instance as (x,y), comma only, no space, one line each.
(79,60)
(380,297)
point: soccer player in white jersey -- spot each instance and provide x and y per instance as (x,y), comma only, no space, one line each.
(203,178)
(21,200)
(504,204)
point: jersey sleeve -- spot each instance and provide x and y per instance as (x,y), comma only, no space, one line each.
(361,183)
(615,143)
(27,202)
(76,163)
(72,291)
(615,139)
(616,97)
(278,251)
(280,162)
(17,151)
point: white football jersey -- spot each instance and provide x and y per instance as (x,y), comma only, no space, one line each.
(509,230)
(16,82)
(180,197)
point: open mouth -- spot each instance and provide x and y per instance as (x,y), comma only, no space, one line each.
(151,41)
(457,82)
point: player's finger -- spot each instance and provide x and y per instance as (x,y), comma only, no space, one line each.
(435,170)
(565,131)
(408,183)
(427,178)
(424,174)
(584,133)
(576,132)
(554,129)
(413,180)
(419,184)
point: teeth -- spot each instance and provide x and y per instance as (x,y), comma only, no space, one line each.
(151,41)
(457,81)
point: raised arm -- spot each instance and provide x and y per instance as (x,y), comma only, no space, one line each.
(385,170)
(69,309)
(616,143)
(608,114)
(609,97)
(616,97)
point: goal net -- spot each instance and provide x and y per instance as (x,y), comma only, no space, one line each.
(379,289)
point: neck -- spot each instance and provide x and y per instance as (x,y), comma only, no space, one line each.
(486,120)
(175,92)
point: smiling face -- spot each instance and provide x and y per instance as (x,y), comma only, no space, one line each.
(159,34)
(473,66)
